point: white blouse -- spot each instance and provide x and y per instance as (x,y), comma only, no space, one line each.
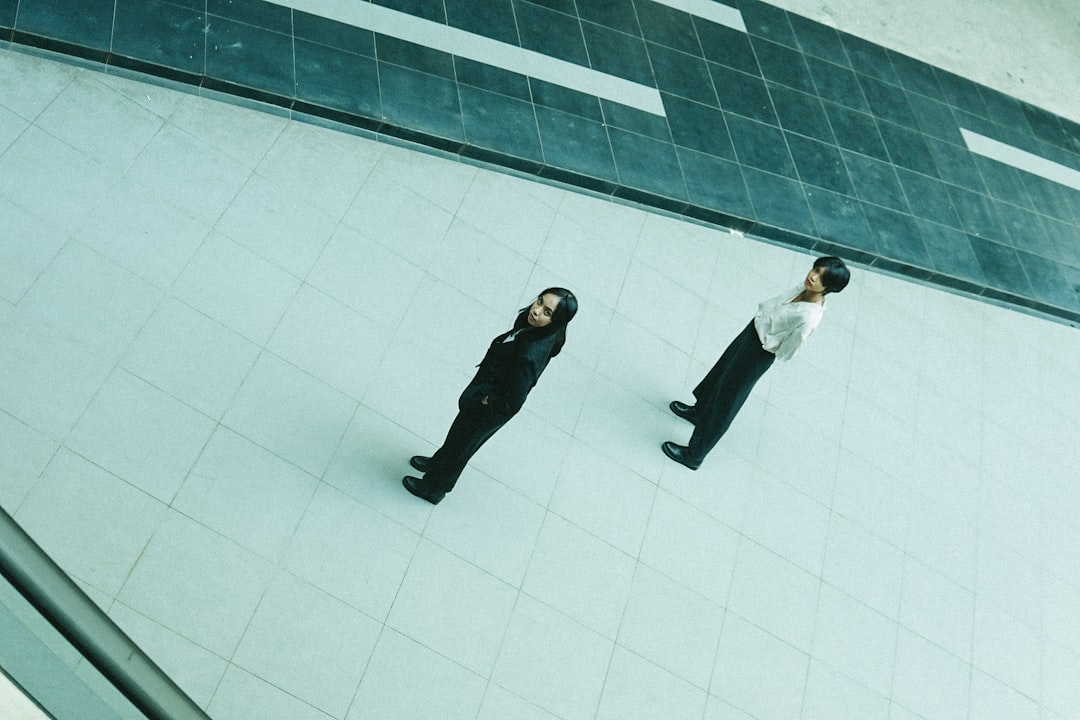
(783,325)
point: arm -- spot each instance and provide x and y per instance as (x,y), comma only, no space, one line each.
(794,340)
(510,390)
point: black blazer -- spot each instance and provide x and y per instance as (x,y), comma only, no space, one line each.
(508,372)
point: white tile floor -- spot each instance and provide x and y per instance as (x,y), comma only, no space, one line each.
(223,333)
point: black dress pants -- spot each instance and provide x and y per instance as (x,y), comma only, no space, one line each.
(722,392)
(474,425)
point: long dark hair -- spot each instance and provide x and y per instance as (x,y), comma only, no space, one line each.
(564,313)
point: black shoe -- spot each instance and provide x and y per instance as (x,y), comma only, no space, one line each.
(412,484)
(686,412)
(420,462)
(681,455)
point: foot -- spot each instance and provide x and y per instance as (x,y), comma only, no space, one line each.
(413,485)
(686,412)
(420,463)
(681,455)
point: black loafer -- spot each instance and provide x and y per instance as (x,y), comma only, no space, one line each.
(420,463)
(412,484)
(686,412)
(681,455)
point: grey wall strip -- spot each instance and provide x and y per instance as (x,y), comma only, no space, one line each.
(48,588)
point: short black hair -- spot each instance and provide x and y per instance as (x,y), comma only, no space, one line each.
(836,275)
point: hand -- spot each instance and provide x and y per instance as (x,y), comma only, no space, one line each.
(484,401)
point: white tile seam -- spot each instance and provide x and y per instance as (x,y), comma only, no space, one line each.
(1021,159)
(481,49)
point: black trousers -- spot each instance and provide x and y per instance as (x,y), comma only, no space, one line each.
(474,425)
(725,388)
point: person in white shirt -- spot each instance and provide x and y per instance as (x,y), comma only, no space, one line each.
(777,331)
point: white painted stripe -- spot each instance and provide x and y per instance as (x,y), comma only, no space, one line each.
(710,10)
(468,45)
(1021,159)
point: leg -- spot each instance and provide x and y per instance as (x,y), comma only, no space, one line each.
(470,430)
(729,390)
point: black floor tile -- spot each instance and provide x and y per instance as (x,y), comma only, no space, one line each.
(743,94)
(1001,266)
(491,78)
(869,59)
(950,252)
(896,236)
(907,148)
(818,40)
(715,183)
(566,100)
(1048,283)
(7,13)
(253,12)
(956,165)
(1054,200)
(837,84)
(433,10)
(760,146)
(415,57)
(1025,230)
(332,78)
(668,27)
(87,24)
(961,93)
(1065,239)
(161,33)
(1044,124)
(875,181)
(577,144)
(779,201)
(425,103)
(1003,182)
(250,56)
(617,53)
(492,18)
(935,118)
(680,74)
(839,219)
(636,121)
(929,198)
(1004,110)
(566,7)
(916,76)
(820,164)
(725,46)
(887,102)
(800,113)
(698,127)
(767,21)
(647,164)
(855,131)
(783,66)
(978,215)
(551,33)
(615,14)
(500,123)
(339,36)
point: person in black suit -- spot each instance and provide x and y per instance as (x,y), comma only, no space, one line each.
(509,370)
(780,327)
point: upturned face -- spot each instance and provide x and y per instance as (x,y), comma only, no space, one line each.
(543,309)
(814,279)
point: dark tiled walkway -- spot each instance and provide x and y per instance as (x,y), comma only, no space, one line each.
(792,131)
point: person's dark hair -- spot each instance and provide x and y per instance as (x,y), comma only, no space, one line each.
(564,313)
(836,275)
